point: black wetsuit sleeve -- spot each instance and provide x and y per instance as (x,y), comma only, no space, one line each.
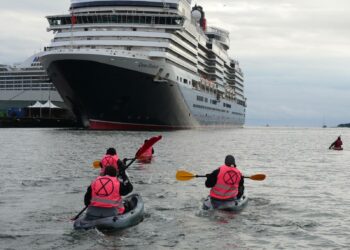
(121,166)
(212,178)
(125,187)
(240,188)
(87,197)
(152,151)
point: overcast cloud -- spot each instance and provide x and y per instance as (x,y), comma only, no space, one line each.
(295,53)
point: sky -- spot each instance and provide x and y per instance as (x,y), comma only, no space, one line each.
(295,54)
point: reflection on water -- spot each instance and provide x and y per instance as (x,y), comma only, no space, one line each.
(303,203)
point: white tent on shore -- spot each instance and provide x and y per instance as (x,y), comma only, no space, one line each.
(49,104)
(36,105)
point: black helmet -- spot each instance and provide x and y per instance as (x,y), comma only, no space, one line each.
(230,160)
(111,151)
(111,171)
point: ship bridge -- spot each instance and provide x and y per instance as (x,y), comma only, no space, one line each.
(220,35)
(173,4)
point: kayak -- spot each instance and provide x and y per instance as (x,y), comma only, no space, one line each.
(128,219)
(337,148)
(232,205)
(145,159)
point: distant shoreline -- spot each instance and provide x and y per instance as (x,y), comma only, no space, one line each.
(345,125)
(7,122)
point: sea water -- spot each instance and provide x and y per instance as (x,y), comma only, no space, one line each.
(303,203)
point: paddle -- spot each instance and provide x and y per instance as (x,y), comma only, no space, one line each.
(149,143)
(77,216)
(182,175)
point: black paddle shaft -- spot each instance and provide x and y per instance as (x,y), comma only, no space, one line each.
(82,211)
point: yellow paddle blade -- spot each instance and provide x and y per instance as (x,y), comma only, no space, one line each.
(257,177)
(182,175)
(96,164)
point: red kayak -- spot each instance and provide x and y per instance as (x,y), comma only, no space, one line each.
(337,148)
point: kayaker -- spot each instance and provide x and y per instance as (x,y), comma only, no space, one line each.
(226,182)
(147,155)
(104,196)
(111,159)
(337,144)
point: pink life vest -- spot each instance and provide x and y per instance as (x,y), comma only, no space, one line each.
(147,155)
(227,183)
(105,193)
(109,160)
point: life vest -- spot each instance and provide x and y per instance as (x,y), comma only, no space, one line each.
(338,144)
(147,155)
(109,160)
(227,183)
(105,193)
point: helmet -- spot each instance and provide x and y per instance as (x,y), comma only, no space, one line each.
(230,160)
(111,151)
(111,171)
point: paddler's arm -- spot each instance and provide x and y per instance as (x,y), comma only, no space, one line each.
(125,186)
(212,179)
(240,188)
(87,197)
(121,165)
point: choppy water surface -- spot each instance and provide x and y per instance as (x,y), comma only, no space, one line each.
(303,203)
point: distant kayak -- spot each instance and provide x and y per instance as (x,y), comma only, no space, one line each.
(128,219)
(232,205)
(337,148)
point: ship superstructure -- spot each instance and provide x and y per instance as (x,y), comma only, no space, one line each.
(144,65)
(23,84)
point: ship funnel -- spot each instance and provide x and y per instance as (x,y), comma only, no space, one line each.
(199,16)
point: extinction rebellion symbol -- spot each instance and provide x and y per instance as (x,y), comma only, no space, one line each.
(106,188)
(230,177)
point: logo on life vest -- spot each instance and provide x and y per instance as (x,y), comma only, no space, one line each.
(230,177)
(106,188)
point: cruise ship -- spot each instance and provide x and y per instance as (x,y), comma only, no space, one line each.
(144,65)
(23,84)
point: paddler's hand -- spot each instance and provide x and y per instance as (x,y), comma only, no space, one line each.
(125,160)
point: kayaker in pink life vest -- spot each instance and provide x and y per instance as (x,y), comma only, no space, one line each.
(226,182)
(104,196)
(111,159)
(337,144)
(147,155)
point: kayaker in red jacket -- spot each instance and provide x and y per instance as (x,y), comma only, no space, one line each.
(104,194)
(337,144)
(227,182)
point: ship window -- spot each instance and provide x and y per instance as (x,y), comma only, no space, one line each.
(86,29)
(206,99)
(142,19)
(200,98)
(185,80)
(180,79)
